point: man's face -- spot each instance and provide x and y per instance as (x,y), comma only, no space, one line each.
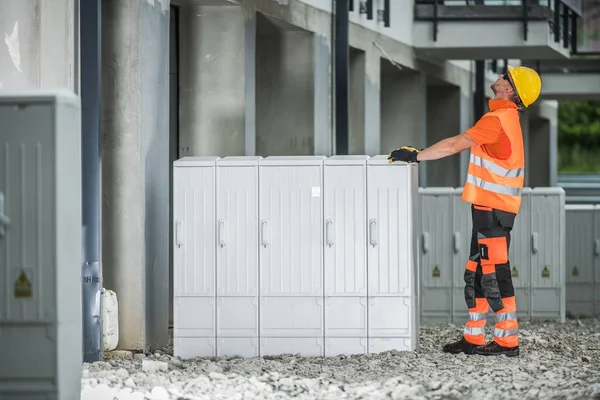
(502,88)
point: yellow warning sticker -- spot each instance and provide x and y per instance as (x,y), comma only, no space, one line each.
(23,285)
(436,272)
(545,272)
(575,272)
(515,272)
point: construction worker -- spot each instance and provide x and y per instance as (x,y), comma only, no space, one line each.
(493,188)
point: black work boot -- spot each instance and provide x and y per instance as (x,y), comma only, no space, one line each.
(460,346)
(494,349)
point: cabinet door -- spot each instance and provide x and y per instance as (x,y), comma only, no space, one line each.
(520,255)
(345,266)
(547,259)
(28,248)
(390,251)
(291,251)
(460,238)
(237,260)
(194,260)
(435,250)
(580,259)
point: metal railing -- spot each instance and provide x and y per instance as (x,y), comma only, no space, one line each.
(561,15)
(587,30)
(580,188)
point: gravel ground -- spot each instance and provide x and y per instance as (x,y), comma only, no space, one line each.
(557,361)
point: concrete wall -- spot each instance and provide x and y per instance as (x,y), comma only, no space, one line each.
(401,15)
(403,109)
(217,80)
(285,91)
(443,121)
(39,44)
(135,128)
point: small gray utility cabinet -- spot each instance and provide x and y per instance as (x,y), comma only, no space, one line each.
(40,246)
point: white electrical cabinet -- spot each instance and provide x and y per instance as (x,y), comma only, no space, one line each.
(294,254)
(537,254)
(40,246)
(582,268)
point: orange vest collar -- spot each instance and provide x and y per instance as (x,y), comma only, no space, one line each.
(498,104)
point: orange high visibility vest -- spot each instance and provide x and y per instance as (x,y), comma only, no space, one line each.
(498,183)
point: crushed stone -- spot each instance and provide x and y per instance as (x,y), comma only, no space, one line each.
(557,361)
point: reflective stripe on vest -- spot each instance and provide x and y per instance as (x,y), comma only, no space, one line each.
(493,187)
(496,169)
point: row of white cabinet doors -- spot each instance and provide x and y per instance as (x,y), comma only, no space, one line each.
(346,230)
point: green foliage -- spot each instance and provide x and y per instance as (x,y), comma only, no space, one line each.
(579,137)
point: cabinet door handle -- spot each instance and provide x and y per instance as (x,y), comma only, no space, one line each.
(4,220)
(534,242)
(372,230)
(263,234)
(178,233)
(329,232)
(221,233)
(425,242)
(456,242)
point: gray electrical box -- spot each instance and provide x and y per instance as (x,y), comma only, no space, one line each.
(40,246)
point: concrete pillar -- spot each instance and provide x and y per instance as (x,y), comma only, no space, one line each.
(444,119)
(542,157)
(39,44)
(135,127)
(356,139)
(217,81)
(540,152)
(365,111)
(403,110)
(323,93)
(173,133)
(285,90)
(553,139)
(373,102)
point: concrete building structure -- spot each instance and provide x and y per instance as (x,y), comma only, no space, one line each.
(256,77)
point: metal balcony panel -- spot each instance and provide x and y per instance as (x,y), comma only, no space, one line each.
(476,39)
(561,86)
(574,65)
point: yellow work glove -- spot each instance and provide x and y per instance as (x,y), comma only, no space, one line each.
(406,153)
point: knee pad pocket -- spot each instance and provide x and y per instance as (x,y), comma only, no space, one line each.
(493,249)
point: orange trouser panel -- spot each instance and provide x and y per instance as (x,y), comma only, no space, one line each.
(474,331)
(506,330)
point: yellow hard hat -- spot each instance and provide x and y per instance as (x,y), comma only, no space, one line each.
(527,83)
